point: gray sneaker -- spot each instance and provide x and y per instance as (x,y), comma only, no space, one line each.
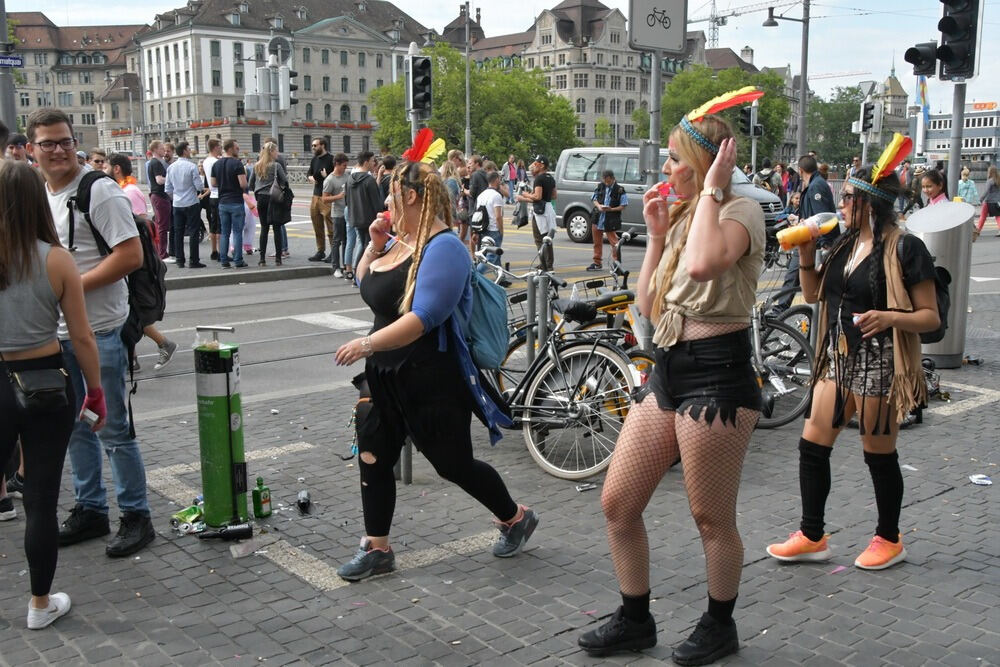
(513,538)
(366,562)
(166,354)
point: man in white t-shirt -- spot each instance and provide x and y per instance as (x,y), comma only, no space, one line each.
(214,153)
(492,199)
(51,144)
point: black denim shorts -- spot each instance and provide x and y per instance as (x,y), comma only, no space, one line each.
(705,377)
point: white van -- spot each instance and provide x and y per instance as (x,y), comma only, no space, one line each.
(578,172)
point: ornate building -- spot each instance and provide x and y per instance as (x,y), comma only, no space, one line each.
(582,48)
(68,67)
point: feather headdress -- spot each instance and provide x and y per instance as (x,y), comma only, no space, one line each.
(425,147)
(894,153)
(725,101)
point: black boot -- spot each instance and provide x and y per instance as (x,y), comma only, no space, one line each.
(619,634)
(710,641)
(135,532)
(83,524)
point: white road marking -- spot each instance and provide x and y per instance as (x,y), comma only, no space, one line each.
(332,321)
(314,571)
(272,319)
(982,280)
(984,397)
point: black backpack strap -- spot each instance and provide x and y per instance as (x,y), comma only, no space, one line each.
(81,202)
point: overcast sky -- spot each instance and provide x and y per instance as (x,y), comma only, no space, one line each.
(845,37)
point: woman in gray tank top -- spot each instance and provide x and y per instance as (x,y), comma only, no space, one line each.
(38,279)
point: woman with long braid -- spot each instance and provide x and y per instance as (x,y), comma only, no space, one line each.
(418,367)
(878,295)
(697,282)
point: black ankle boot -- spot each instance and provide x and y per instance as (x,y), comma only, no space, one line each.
(619,634)
(710,641)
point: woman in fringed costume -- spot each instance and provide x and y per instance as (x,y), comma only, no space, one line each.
(877,292)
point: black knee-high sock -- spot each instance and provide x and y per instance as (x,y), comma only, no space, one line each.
(888,482)
(814,485)
(636,607)
(721,610)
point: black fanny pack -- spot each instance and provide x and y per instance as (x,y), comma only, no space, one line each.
(38,390)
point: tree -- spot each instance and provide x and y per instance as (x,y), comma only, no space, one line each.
(512,110)
(19,79)
(830,125)
(640,119)
(695,86)
(603,134)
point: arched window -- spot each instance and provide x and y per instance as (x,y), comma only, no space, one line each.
(614,106)
(345,112)
(581,105)
(364,113)
(327,112)
(599,105)
(629,106)
(309,112)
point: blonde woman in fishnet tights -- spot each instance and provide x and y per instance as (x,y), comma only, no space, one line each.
(703,256)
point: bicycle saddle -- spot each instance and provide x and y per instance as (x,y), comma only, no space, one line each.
(575,311)
(611,298)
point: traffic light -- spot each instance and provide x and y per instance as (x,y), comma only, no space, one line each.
(286,87)
(262,98)
(960,28)
(923,57)
(420,86)
(867,116)
(746,121)
(758,130)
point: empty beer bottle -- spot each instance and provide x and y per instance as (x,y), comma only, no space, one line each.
(261,500)
(239,531)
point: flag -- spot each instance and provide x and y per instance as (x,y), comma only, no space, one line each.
(923,99)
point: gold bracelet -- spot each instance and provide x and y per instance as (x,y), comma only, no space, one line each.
(366,346)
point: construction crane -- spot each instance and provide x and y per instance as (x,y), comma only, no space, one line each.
(715,19)
(835,75)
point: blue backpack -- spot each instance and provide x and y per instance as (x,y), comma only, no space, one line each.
(486,329)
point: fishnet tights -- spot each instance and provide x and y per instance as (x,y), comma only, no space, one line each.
(697,329)
(650,443)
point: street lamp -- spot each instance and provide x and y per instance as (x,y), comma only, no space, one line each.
(772,23)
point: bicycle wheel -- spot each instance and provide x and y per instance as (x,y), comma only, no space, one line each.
(784,373)
(574,409)
(799,318)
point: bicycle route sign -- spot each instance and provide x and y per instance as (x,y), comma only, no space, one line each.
(658,26)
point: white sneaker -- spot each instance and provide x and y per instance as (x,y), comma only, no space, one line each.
(59,604)
(169,260)
(7,511)
(166,354)
(337,273)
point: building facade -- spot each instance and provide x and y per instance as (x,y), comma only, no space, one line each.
(980,135)
(582,48)
(69,68)
(197,65)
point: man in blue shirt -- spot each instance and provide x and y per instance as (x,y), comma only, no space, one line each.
(184,184)
(609,202)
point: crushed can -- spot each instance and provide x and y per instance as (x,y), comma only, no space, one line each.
(186,515)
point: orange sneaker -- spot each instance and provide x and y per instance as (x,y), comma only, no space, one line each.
(798,548)
(880,554)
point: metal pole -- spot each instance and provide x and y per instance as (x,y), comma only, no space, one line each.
(412,113)
(653,146)
(7,111)
(753,135)
(804,79)
(957,123)
(468,97)
(272,68)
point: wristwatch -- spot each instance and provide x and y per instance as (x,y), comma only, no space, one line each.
(714,193)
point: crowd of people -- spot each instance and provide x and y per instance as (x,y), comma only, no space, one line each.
(402,231)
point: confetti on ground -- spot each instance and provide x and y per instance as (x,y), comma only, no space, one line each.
(839,568)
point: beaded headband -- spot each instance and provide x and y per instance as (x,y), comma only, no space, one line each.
(698,136)
(715,105)
(868,188)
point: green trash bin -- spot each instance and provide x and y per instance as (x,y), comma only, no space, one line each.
(220,430)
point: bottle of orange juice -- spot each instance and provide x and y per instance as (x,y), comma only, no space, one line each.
(810,228)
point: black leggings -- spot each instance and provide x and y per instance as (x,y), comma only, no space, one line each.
(428,401)
(44,438)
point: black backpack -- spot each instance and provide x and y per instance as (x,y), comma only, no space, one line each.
(480,220)
(941,281)
(147,287)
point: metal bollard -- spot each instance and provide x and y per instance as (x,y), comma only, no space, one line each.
(220,430)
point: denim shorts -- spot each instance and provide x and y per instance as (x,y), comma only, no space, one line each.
(705,377)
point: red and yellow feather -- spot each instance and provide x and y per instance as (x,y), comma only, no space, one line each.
(892,156)
(731,99)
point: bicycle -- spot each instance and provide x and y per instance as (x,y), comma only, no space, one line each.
(660,17)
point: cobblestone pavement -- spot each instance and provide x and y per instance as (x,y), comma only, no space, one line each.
(187,602)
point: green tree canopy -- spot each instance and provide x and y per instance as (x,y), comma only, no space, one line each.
(603,134)
(829,126)
(511,110)
(640,119)
(697,85)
